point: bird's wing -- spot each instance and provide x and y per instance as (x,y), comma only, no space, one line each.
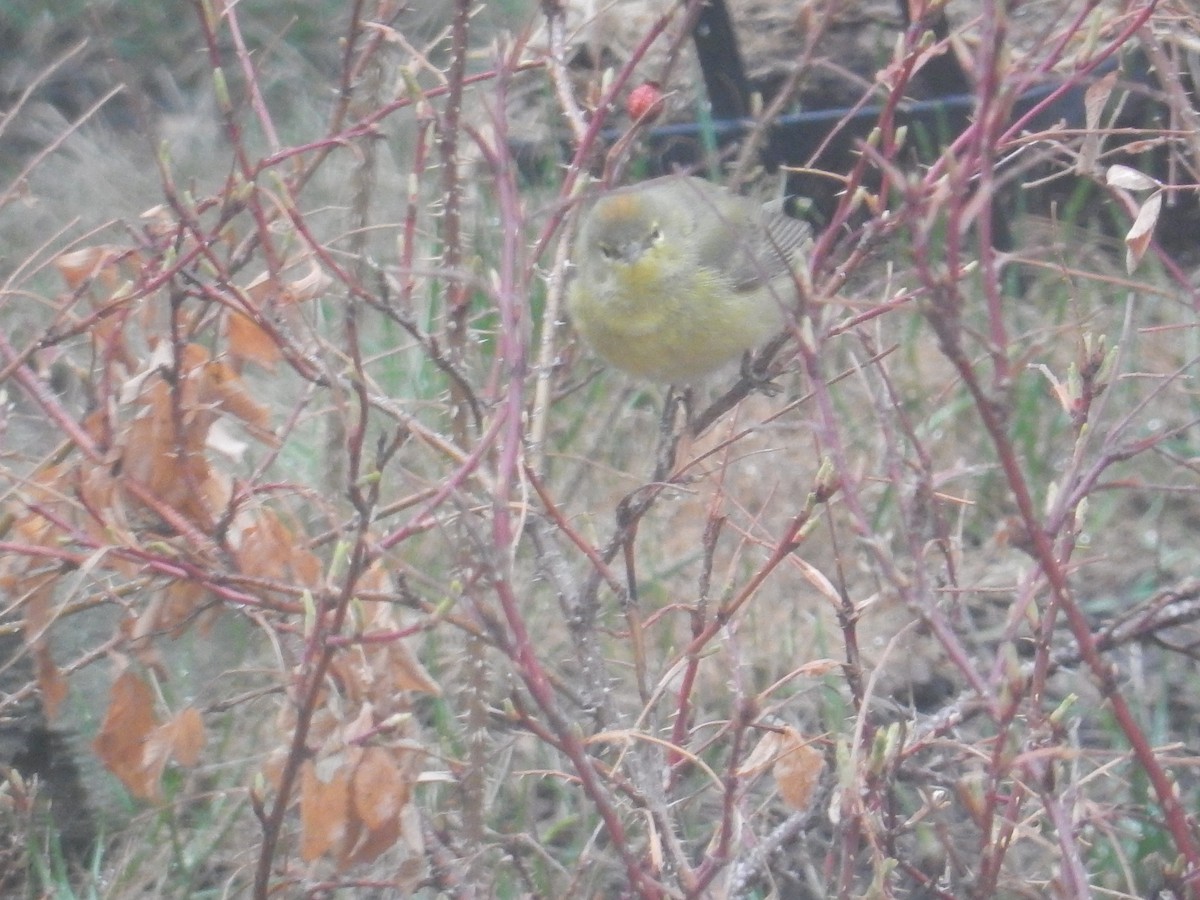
(770,248)
(761,243)
(729,249)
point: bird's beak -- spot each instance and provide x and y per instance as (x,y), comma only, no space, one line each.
(631,252)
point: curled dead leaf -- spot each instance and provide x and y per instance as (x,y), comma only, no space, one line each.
(1138,239)
(1130,179)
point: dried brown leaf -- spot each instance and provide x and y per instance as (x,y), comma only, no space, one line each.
(1137,148)
(155,754)
(324,811)
(1094,101)
(798,770)
(272,298)
(224,387)
(187,736)
(128,723)
(1142,231)
(406,670)
(250,342)
(184,604)
(370,844)
(762,756)
(819,667)
(269,549)
(309,286)
(380,788)
(1096,96)
(1130,179)
(820,581)
(51,682)
(90,264)
(36,594)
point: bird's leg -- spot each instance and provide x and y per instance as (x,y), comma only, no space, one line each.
(756,375)
(756,368)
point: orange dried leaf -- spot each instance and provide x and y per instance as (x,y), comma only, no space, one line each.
(180,739)
(37,597)
(165,447)
(187,736)
(109,523)
(367,848)
(80,266)
(268,549)
(262,292)
(223,387)
(798,770)
(51,681)
(407,672)
(393,657)
(156,752)
(249,342)
(324,812)
(128,723)
(351,679)
(380,788)
(184,605)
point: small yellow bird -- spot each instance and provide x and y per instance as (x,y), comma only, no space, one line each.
(677,276)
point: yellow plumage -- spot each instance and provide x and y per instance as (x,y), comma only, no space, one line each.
(677,277)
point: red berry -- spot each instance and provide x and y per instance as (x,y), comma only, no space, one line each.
(645,102)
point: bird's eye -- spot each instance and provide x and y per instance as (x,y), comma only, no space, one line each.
(655,234)
(608,251)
